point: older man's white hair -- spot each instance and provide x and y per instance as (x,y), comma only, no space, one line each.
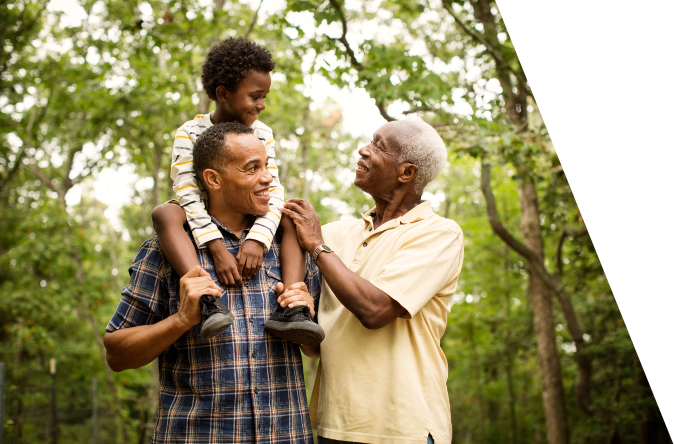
(420,144)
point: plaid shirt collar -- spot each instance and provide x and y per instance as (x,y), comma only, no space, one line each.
(223,229)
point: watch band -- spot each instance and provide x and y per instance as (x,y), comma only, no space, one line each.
(319,250)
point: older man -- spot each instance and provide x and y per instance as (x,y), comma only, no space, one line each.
(388,278)
(241,386)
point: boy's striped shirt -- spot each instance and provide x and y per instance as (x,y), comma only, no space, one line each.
(193,198)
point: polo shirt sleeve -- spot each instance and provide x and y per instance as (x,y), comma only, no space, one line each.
(145,298)
(428,264)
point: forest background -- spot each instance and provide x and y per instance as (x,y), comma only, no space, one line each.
(536,346)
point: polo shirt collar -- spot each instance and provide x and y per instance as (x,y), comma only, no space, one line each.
(420,212)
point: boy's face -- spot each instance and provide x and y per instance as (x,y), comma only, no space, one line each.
(247,101)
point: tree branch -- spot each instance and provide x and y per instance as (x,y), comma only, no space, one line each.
(558,256)
(420,109)
(90,167)
(342,18)
(25,27)
(494,219)
(571,234)
(5,181)
(382,111)
(67,182)
(253,20)
(498,57)
(44,179)
(352,56)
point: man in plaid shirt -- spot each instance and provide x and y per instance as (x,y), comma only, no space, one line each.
(242,386)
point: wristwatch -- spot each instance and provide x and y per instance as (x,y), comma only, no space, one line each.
(319,250)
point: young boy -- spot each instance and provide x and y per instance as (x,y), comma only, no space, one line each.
(236,75)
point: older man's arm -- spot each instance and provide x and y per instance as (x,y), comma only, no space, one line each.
(373,307)
(134,347)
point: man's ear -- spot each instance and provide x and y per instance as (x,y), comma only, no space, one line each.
(221,94)
(407,172)
(211,180)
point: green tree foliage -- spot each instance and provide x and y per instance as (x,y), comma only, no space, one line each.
(107,91)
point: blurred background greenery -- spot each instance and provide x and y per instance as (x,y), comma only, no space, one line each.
(91,94)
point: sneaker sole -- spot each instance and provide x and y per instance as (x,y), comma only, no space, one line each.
(216,324)
(303,333)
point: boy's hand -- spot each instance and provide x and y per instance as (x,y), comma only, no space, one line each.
(249,258)
(226,267)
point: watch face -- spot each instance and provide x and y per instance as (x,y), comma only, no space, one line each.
(326,248)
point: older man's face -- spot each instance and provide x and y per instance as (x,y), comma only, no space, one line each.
(247,180)
(376,170)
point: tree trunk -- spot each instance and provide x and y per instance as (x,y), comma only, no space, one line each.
(541,305)
(204,102)
(480,435)
(538,291)
(511,396)
(153,398)
(18,430)
(583,360)
(509,354)
(305,144)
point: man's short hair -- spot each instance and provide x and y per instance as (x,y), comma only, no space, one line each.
(227,63)
(211,150)
(420,144)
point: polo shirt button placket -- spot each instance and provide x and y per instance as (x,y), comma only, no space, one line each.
(364,244)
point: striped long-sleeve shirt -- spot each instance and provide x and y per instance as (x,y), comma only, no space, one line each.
(193,198)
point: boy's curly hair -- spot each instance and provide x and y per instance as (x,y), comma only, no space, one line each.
(227,63)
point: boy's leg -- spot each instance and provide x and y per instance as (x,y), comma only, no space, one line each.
(168,220)
(293,324)
(293,260)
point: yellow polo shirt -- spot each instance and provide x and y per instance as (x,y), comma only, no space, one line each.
(389,385)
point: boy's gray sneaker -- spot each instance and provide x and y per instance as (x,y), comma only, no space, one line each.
(214,319)
(295,325)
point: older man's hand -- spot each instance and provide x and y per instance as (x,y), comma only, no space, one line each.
(193,285)
(296,294)
(306,222)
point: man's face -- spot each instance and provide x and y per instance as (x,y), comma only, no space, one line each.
(247,101)
(376,170)
(246,180)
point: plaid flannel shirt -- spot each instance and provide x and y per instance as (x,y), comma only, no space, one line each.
(244,386)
